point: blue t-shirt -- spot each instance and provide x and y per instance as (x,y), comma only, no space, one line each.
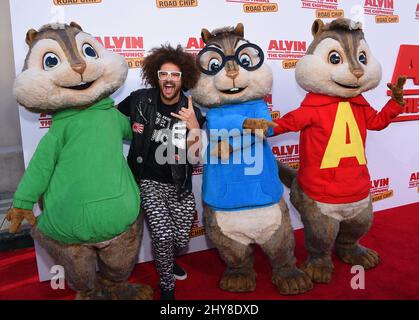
(249,178)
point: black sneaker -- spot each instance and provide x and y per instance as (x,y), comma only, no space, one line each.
(167,295)
(178,272)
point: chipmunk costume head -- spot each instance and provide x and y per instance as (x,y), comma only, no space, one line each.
(339,61)
(332,187)
(243,206)
(90,215)
(66,68)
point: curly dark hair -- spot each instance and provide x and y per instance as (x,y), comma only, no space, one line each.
(166,53)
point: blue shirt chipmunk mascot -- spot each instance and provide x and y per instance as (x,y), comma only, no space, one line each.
(241,189)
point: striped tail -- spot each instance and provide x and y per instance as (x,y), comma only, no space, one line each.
(286,174)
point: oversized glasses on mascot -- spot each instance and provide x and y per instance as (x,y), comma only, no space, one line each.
(243,200)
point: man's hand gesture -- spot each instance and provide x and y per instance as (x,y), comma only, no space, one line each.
(188,115)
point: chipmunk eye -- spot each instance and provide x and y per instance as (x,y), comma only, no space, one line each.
(214,65)
(245,60)
(362,58)
(50,61)
(335,58)
(88,51)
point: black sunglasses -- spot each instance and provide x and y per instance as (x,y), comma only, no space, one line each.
(218,60)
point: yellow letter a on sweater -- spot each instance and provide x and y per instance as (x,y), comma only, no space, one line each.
(337,148)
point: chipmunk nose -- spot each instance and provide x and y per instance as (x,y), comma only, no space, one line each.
(232,74)
(232,70)
(79,67)
(358,73)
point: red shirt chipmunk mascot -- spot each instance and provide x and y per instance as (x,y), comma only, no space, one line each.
(331,188)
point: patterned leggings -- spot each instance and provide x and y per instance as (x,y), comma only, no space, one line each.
(170,221)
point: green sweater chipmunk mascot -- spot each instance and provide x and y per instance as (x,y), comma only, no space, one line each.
(91,204)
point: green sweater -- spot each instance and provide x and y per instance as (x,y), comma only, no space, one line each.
(88,189)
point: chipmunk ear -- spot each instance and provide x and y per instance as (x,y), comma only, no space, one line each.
(30,36)
(75,25)
(206,35)
(239,30)
(317,27)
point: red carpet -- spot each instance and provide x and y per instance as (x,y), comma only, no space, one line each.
(394,235)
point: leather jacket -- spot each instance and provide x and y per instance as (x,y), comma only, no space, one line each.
(141,106)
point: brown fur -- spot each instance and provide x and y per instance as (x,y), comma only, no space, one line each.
(64,35)
(115,260)
(226,38)
(209,90)
(240,275)
(286,174)
(16,217)
(339,30)
(323,232)
(50,91)
(226,32)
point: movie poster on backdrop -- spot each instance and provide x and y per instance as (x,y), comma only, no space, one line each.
(282,28)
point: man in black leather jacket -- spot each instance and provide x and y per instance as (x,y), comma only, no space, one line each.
(166,128)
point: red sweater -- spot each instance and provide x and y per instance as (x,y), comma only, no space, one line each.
(333,166)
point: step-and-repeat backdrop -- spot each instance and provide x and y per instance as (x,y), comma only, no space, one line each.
(282,29)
